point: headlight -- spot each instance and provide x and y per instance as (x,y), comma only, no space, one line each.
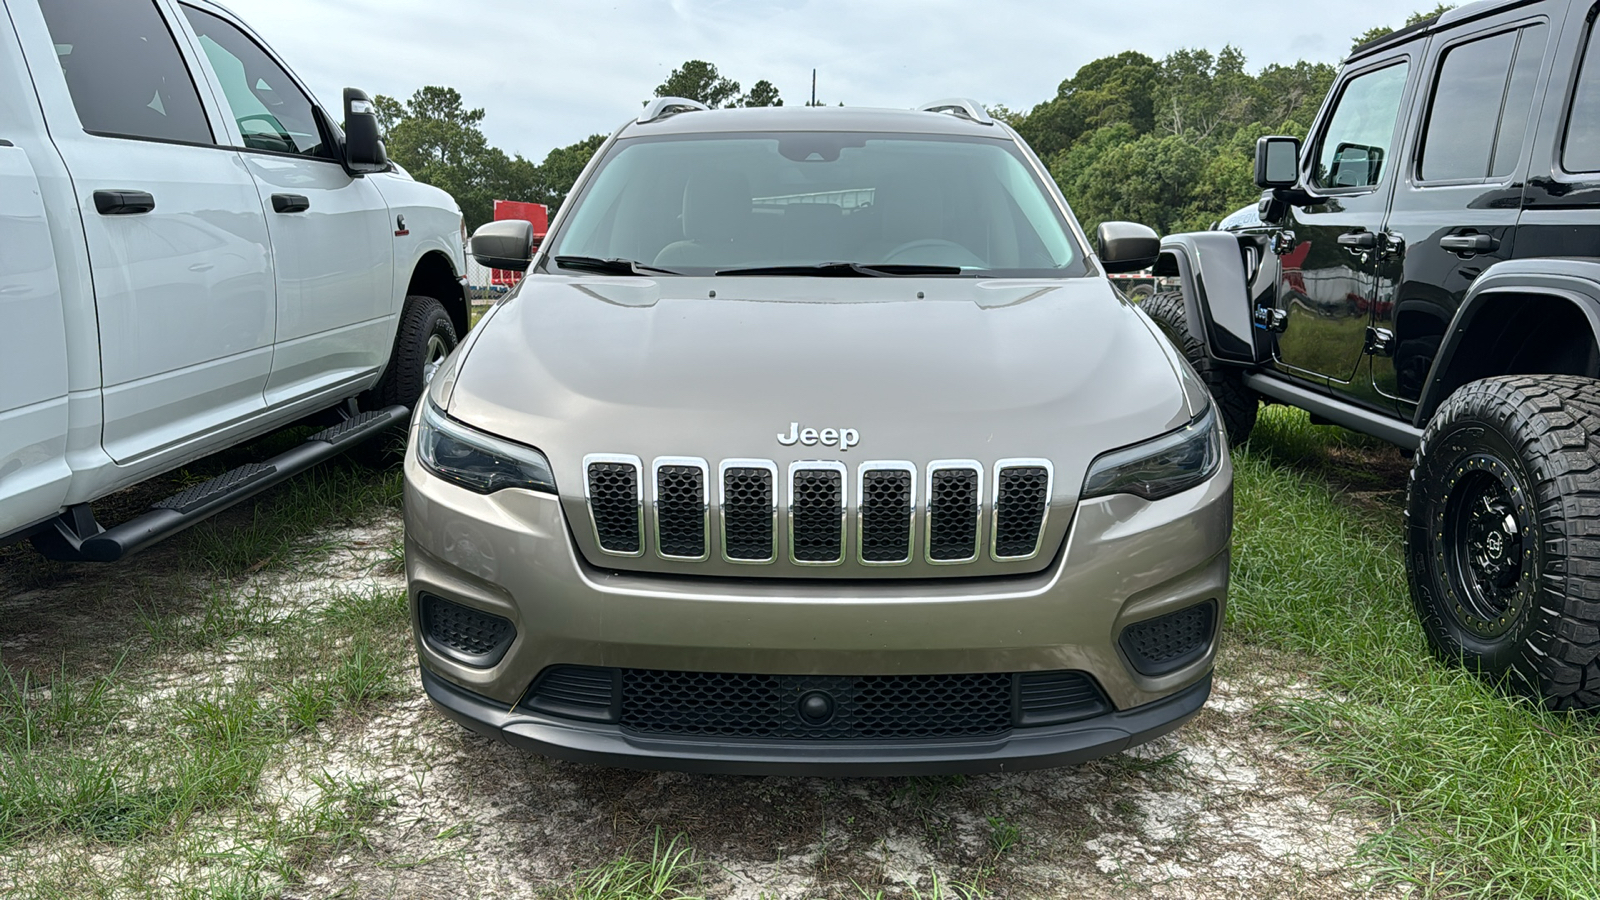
(477,461)
(1162,467)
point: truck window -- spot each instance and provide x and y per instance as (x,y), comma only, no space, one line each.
(124,71)
(1581,151)
(1355,146)
(272,112)
(1479,112)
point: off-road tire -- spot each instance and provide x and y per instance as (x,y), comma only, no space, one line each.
(1503,534)
(1237,403)
(425,329)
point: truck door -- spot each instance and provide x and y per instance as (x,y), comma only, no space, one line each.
(1455,210)
(33,370)
(177,241)
(332,238)
(1331,250)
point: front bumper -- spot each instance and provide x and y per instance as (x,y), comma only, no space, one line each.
(1125,560)
(1022,748)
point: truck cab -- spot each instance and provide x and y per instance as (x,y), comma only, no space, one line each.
(205,256)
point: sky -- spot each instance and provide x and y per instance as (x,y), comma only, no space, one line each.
(552,72)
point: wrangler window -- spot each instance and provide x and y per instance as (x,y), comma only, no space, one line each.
(1479,113)
(1581,152)
(1354,149)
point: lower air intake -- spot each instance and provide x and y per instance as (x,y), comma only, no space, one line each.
(1170,642)
(576,692)
(469,636)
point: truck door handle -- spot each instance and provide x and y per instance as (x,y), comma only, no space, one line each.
(1469,243)
(123,203)
(289,203)
(1359,240)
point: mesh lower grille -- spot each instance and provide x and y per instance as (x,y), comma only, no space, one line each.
(879,707)
(817,512)
(1170,642)
(886,515)
(953,515)
(681,511)
(467,635)
(1019,504)
(747,512)
(614,503)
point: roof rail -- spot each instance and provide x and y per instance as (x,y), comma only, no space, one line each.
(970,110)
(662,107)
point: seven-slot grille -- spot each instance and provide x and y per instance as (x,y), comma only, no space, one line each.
(886,531)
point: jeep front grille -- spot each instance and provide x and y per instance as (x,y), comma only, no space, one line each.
(955,495)
(1021,502)
(886,511)
(616,502)
(749,511)
(816,513)
(682,509)
(886,527)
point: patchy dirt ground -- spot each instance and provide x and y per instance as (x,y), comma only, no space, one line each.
(1223,808)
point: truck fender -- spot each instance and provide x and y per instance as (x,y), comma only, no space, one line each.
(1216,291)
(1559,298)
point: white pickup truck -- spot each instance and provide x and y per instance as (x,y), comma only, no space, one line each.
(193,253)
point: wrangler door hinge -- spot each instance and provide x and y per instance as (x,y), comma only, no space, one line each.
(1380,342)
(1268,318)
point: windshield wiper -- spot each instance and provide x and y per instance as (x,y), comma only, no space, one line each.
(614,266)
(847,270)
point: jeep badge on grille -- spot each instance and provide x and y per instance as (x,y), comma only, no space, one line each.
(843,438)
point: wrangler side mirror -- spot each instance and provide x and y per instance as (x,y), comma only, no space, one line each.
(1127,246)
(506,244)
(363,149)
(1277,162)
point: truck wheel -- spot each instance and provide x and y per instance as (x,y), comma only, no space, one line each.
(1503,534)
(424,339)
(1237,403)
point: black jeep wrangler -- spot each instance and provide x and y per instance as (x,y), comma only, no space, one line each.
(1427,270)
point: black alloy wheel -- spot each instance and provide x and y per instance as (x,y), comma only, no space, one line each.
(1501,522)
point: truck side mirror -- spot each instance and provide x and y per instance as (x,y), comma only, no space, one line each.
(1127,246)
(363,149)
(1277,162)
(507,244)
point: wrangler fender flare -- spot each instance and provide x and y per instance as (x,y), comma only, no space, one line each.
(1216,291)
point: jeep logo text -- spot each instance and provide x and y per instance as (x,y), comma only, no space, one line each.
(843,438)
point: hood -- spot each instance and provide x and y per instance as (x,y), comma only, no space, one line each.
(722,368)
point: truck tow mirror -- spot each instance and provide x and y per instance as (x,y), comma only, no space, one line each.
(1127,246)
(506,244)
(1277,162)
(363,148)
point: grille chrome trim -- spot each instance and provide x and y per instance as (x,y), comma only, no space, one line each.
(771,468)
(911,512)
(795,468)
(619,459)
(946,465)
(687,462)
(1049,491)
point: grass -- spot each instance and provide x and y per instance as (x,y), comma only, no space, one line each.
(669,872)
(1490,796)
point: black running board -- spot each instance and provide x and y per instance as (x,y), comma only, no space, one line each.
(76,537)
(1388,428)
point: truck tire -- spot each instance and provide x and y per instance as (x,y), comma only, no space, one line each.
(425,337)
(1237,403)
(1503,534)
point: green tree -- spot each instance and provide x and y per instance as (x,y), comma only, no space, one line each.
(561,168)
(762,93)
(1372,34)
(1110,90)
(437,139)
(699,80)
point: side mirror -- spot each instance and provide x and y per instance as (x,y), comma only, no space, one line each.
(1277,162)
(507,244)
(1127,246)
(363,149)
(1272,208)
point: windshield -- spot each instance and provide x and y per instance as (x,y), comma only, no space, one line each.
(700,204)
